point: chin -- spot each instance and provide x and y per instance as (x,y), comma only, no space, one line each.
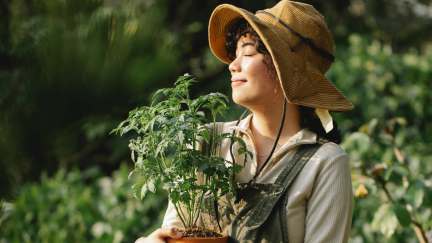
(238,98)
(243,100)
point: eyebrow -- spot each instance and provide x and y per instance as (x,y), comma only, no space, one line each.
(248,44)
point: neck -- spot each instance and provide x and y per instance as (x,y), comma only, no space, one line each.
(265,122)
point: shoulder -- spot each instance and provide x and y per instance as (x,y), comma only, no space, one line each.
(330,156)
(331,151)
(328,170)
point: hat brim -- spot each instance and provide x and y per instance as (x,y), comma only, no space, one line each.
(293,73)
(222,17)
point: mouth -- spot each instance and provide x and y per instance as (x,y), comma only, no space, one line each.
(236,82)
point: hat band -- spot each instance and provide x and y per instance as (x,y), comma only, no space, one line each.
(307,40)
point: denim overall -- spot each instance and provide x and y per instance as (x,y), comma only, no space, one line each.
(257,213)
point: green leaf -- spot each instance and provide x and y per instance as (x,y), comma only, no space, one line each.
(385,220)
(174,196)
(427,202)
(151,186)
(416,193)
(396,173)
(388,173)
(143,191)
(402,215)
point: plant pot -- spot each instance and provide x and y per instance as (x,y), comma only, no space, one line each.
(223,239)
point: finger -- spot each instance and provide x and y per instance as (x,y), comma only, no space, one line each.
(170,232)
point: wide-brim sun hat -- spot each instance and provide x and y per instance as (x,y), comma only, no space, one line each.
(299,43)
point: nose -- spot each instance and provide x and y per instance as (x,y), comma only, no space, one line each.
(234,66)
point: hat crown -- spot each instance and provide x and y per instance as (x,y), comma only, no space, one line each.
(307,21)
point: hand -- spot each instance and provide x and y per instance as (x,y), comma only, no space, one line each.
(160,236)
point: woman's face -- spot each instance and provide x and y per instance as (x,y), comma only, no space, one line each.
(253,81)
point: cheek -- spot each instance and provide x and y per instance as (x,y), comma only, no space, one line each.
(271,70)
(256,69)
(247,65)
(259,72)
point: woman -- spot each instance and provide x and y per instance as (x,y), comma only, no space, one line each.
(299,175)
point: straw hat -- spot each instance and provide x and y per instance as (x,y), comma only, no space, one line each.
(301,46)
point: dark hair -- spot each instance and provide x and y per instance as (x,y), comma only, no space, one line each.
(237,29)
(308,118)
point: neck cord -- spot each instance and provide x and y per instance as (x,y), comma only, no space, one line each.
(274,145)
(273,148)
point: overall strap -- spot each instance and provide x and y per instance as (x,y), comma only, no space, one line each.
(263,206)
(288,176)
(262,217)
(296,164)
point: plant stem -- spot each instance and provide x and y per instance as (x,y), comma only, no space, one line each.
(383,185)
(214,130)
(180,214)
(189,211)
(420,233)
(199,208)
(215,205)
(192,208)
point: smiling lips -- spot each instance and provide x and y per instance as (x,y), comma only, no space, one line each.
(236,82)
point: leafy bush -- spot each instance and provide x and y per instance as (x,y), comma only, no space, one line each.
(391,139)
(79,207)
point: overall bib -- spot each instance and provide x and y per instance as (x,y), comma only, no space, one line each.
(257,213)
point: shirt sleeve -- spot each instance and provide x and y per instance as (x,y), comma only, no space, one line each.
(329,208)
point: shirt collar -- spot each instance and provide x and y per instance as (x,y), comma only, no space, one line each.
(244,124)
(303,136)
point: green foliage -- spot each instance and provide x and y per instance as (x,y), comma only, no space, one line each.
(168,148)
(79,207)
(76,67)
(67,66)
(390,145)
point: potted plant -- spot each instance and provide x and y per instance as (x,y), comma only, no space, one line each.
(168,150)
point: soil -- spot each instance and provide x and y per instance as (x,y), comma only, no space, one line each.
(199,232)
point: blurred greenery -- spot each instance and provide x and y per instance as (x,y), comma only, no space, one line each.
(390,150)
(80,207)
(70,70)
